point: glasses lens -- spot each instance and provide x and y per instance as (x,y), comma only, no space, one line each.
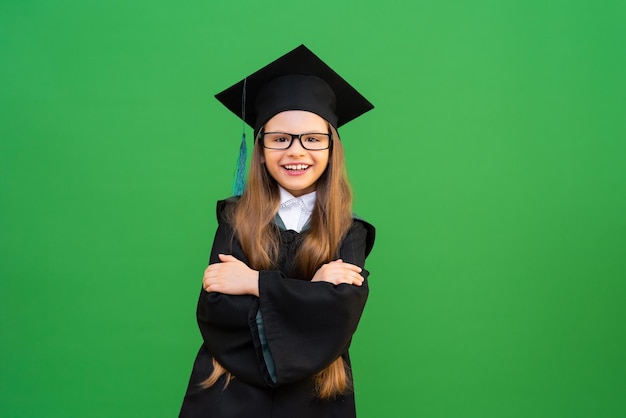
(276,140)
(315,141)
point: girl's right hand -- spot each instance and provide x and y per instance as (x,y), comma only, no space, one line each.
(337,272)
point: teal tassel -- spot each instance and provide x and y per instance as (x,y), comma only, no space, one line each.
(240,171)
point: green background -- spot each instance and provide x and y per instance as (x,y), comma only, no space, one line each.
(493,168)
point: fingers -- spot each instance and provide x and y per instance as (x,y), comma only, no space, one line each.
(210,280)
(347,278)
(230,276)
(206,283)
(337,272)
(224,258)
(357,280)
(349,274)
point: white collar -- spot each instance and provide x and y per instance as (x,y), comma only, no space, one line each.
(295,212)
(307,199)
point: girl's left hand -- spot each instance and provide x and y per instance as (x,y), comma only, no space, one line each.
(338,272)
(231,277)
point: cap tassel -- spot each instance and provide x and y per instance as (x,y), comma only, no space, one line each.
(240,171)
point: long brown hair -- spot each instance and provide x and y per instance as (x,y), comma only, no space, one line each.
(253,215)
(252,219)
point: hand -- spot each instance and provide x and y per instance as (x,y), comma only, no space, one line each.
(338,272)
(231,277)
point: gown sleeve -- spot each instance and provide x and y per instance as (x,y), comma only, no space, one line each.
(225,320)
(308,325)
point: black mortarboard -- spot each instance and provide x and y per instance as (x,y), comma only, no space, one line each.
(298,80)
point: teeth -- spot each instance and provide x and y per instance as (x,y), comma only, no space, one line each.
(296,166)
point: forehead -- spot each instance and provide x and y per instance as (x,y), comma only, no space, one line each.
(296,121)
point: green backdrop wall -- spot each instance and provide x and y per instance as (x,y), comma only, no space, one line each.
(493,167)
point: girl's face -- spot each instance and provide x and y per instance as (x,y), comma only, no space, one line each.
(296,169)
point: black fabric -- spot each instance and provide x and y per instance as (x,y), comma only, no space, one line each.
(295,92)
(307,324)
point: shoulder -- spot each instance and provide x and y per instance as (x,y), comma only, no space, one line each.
(360,224)
(224,207)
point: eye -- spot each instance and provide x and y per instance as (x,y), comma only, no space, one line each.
(278,138)
(311,138)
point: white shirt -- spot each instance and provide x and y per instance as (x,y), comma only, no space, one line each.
(295,212)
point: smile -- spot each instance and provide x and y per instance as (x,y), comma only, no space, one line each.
(296,167)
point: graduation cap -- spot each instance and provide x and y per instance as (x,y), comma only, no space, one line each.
(299,80)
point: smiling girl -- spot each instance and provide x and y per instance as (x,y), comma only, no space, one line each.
(286,285)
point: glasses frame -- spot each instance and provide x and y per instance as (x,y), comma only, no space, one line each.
(299,137)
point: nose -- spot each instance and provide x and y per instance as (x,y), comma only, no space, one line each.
(296,147)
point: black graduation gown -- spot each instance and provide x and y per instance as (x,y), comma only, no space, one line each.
(307,326)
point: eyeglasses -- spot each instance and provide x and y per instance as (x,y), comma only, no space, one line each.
(313,141)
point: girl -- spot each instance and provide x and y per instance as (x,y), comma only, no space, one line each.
(285,286)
